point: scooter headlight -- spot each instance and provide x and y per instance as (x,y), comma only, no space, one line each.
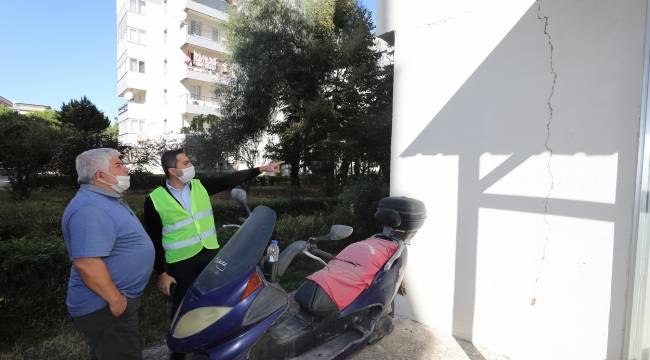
(198,319)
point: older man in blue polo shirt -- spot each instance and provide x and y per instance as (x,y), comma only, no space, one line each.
(112,257)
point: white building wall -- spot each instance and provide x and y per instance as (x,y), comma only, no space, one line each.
(166,110)
(517,123)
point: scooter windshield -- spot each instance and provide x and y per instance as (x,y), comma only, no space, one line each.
(242,252)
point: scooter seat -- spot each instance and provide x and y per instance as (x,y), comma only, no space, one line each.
(353,270)
(313,299)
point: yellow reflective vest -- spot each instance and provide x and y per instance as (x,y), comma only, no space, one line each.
(185,234)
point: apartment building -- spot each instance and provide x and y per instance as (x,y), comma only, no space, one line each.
(23,108)
(170,64)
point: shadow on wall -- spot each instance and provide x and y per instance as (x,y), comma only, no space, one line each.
(520,105)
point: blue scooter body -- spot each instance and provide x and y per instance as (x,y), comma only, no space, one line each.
(234,334)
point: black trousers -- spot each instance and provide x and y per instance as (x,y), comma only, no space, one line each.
(112,337)
(185,272)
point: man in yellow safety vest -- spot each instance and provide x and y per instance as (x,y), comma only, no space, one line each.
(178,218)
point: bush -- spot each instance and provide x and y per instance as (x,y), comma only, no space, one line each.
(33,281)
(291,228)
(141,180)
(54,181)
(358,202)
(41,216)
(228,212)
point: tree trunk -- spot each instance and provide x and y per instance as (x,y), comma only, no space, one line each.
(295,172)
(343,171)
(357,168)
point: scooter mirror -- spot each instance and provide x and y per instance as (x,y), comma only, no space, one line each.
(338,232)
(239,195)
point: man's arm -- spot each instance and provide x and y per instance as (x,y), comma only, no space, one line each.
(215,185)
(94,273)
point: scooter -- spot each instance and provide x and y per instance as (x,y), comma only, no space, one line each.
(232,311)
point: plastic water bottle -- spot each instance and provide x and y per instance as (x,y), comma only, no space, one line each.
(271,261)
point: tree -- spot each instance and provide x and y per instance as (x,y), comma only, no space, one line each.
(280,64)
(83,115)
(26,148)
(310,75)
(82,127)
(207,144)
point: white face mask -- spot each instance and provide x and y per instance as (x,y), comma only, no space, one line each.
(188,174)
(123,183)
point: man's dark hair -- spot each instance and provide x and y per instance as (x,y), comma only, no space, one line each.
(168,159)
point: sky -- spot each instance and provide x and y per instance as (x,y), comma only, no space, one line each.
(55,51)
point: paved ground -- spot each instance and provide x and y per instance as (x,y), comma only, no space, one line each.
(410,340)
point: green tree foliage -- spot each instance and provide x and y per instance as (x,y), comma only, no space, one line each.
(207,144)
(49,116)
(28,144)
(309,74)
(83,115)
(82,127)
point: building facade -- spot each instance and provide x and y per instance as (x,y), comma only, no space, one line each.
(170,65)
(23,108)
(522,125)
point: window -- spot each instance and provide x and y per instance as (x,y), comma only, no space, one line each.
(215,34)
(165,36)
(137,6)
(136,65)
(195,92)
(165,96)
(195,28)
(136,35)
(165,67)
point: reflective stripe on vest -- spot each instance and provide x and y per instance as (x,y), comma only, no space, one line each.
(187,221)
(188,242)
(185,233)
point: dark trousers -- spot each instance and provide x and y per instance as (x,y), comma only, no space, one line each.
(112,337)
(185,272)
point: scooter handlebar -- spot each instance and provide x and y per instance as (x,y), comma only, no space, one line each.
(321,253)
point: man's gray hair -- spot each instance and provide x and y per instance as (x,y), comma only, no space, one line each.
(91,161)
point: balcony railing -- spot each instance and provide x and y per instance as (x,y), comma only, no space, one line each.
(215,75)
(123,109)
(214,102)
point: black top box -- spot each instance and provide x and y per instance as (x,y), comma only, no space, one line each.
(401,213)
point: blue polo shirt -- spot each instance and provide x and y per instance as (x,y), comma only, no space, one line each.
(98,223)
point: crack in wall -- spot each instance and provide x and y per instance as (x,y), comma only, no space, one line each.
(545,20)
(442,21)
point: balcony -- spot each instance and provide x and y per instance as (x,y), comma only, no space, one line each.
(131,80)
(131,138)
(217,9)
(205,43)
(201,105)
(200,74)
(131,110)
